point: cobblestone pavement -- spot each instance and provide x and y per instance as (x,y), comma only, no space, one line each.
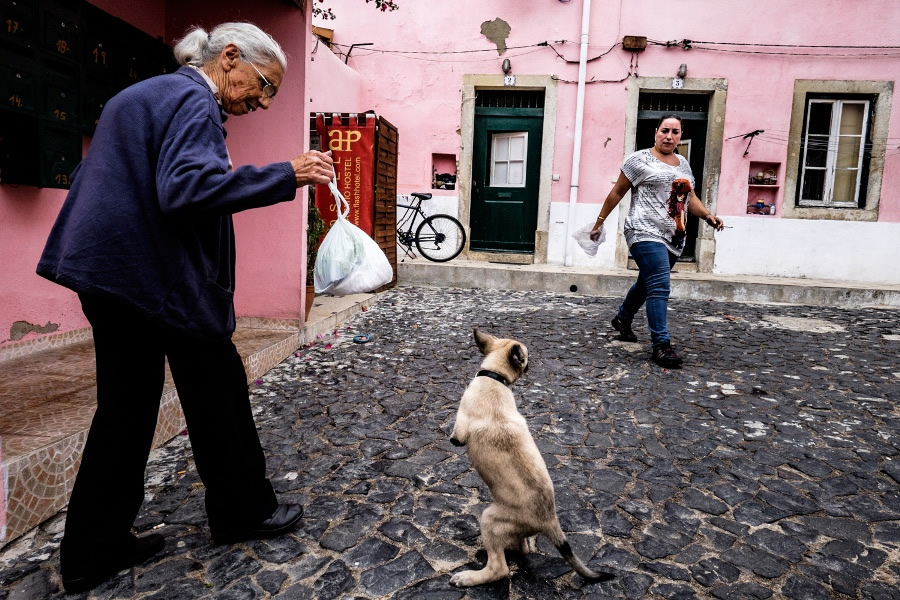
(767,468)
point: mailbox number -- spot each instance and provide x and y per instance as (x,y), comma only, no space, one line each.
(61,179)
(62,46)
(15,100)
(99,56)
(60,114)
(12,26)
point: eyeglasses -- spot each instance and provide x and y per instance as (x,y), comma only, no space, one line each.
(268,89)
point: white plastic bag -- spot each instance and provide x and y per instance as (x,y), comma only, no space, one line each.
(583,237)
(349,261)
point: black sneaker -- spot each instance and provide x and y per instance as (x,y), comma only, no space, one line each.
(665,356)
(624,329)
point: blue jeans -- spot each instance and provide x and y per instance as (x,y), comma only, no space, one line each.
(654,262)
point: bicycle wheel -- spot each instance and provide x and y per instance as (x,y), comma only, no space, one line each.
(440,238)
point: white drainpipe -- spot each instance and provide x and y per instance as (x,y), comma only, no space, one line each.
(579,124)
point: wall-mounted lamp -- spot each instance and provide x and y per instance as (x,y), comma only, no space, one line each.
(678,80)
(507,66)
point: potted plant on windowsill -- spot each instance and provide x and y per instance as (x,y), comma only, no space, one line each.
(315,228)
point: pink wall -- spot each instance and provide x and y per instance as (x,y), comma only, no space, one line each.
(417,85)
(270,250)
(333,86)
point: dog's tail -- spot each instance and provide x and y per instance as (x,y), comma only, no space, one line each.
(558,538)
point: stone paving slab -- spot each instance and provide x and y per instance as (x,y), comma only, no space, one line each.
(769,467)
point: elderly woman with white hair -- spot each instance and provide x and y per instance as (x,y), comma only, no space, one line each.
(145,238)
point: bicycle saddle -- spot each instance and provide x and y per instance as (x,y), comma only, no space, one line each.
(421,196)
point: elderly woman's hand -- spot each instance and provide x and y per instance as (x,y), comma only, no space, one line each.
(313,167)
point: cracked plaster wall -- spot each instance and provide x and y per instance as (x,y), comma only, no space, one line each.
(497,31)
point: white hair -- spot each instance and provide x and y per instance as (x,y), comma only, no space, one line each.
(198,48)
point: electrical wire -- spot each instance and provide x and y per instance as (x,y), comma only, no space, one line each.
(591,80)
(445,52)
(793,45)
(412,55)
(376,50)
(369,52)
(873,149)
(611,48)
(786,135)
(799,54)
(687,44)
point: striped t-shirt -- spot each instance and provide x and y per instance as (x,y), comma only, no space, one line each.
(648,218)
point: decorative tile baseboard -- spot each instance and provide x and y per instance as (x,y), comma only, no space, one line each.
(12,350)
(269,323)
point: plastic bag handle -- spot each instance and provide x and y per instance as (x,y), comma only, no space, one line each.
(342,212)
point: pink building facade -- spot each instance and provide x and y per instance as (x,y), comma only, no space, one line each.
(814,193)
(517,117)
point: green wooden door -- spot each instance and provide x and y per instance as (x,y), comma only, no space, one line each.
(506,163)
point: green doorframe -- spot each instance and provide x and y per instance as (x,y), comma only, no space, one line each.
(472,83)
(717,90)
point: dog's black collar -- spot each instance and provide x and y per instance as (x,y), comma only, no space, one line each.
(492,375)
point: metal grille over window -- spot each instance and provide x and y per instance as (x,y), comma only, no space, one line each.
(652,105)
(509,99)
(674,103)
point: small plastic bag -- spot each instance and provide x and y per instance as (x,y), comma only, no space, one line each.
(583,237)
(349,261)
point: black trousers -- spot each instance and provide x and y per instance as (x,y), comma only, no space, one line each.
(212,387)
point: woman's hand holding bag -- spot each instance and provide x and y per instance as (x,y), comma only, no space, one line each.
(349,261)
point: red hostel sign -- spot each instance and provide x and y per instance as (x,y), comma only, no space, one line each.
(351,139)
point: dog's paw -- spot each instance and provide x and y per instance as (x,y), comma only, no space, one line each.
(462,579)
(456,442)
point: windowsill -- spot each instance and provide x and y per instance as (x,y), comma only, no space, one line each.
(828,214)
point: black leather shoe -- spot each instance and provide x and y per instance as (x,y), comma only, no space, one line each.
(143,549)
(282,520)
(624,329)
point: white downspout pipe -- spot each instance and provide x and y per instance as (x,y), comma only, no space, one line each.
(579,124)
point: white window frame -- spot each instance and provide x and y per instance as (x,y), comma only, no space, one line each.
(834,137)
(509,160)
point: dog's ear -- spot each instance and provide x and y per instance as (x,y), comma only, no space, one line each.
(483,340)
(517,358)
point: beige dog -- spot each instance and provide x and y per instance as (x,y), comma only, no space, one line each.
(503,452)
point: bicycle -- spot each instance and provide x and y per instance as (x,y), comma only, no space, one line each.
(438,238)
